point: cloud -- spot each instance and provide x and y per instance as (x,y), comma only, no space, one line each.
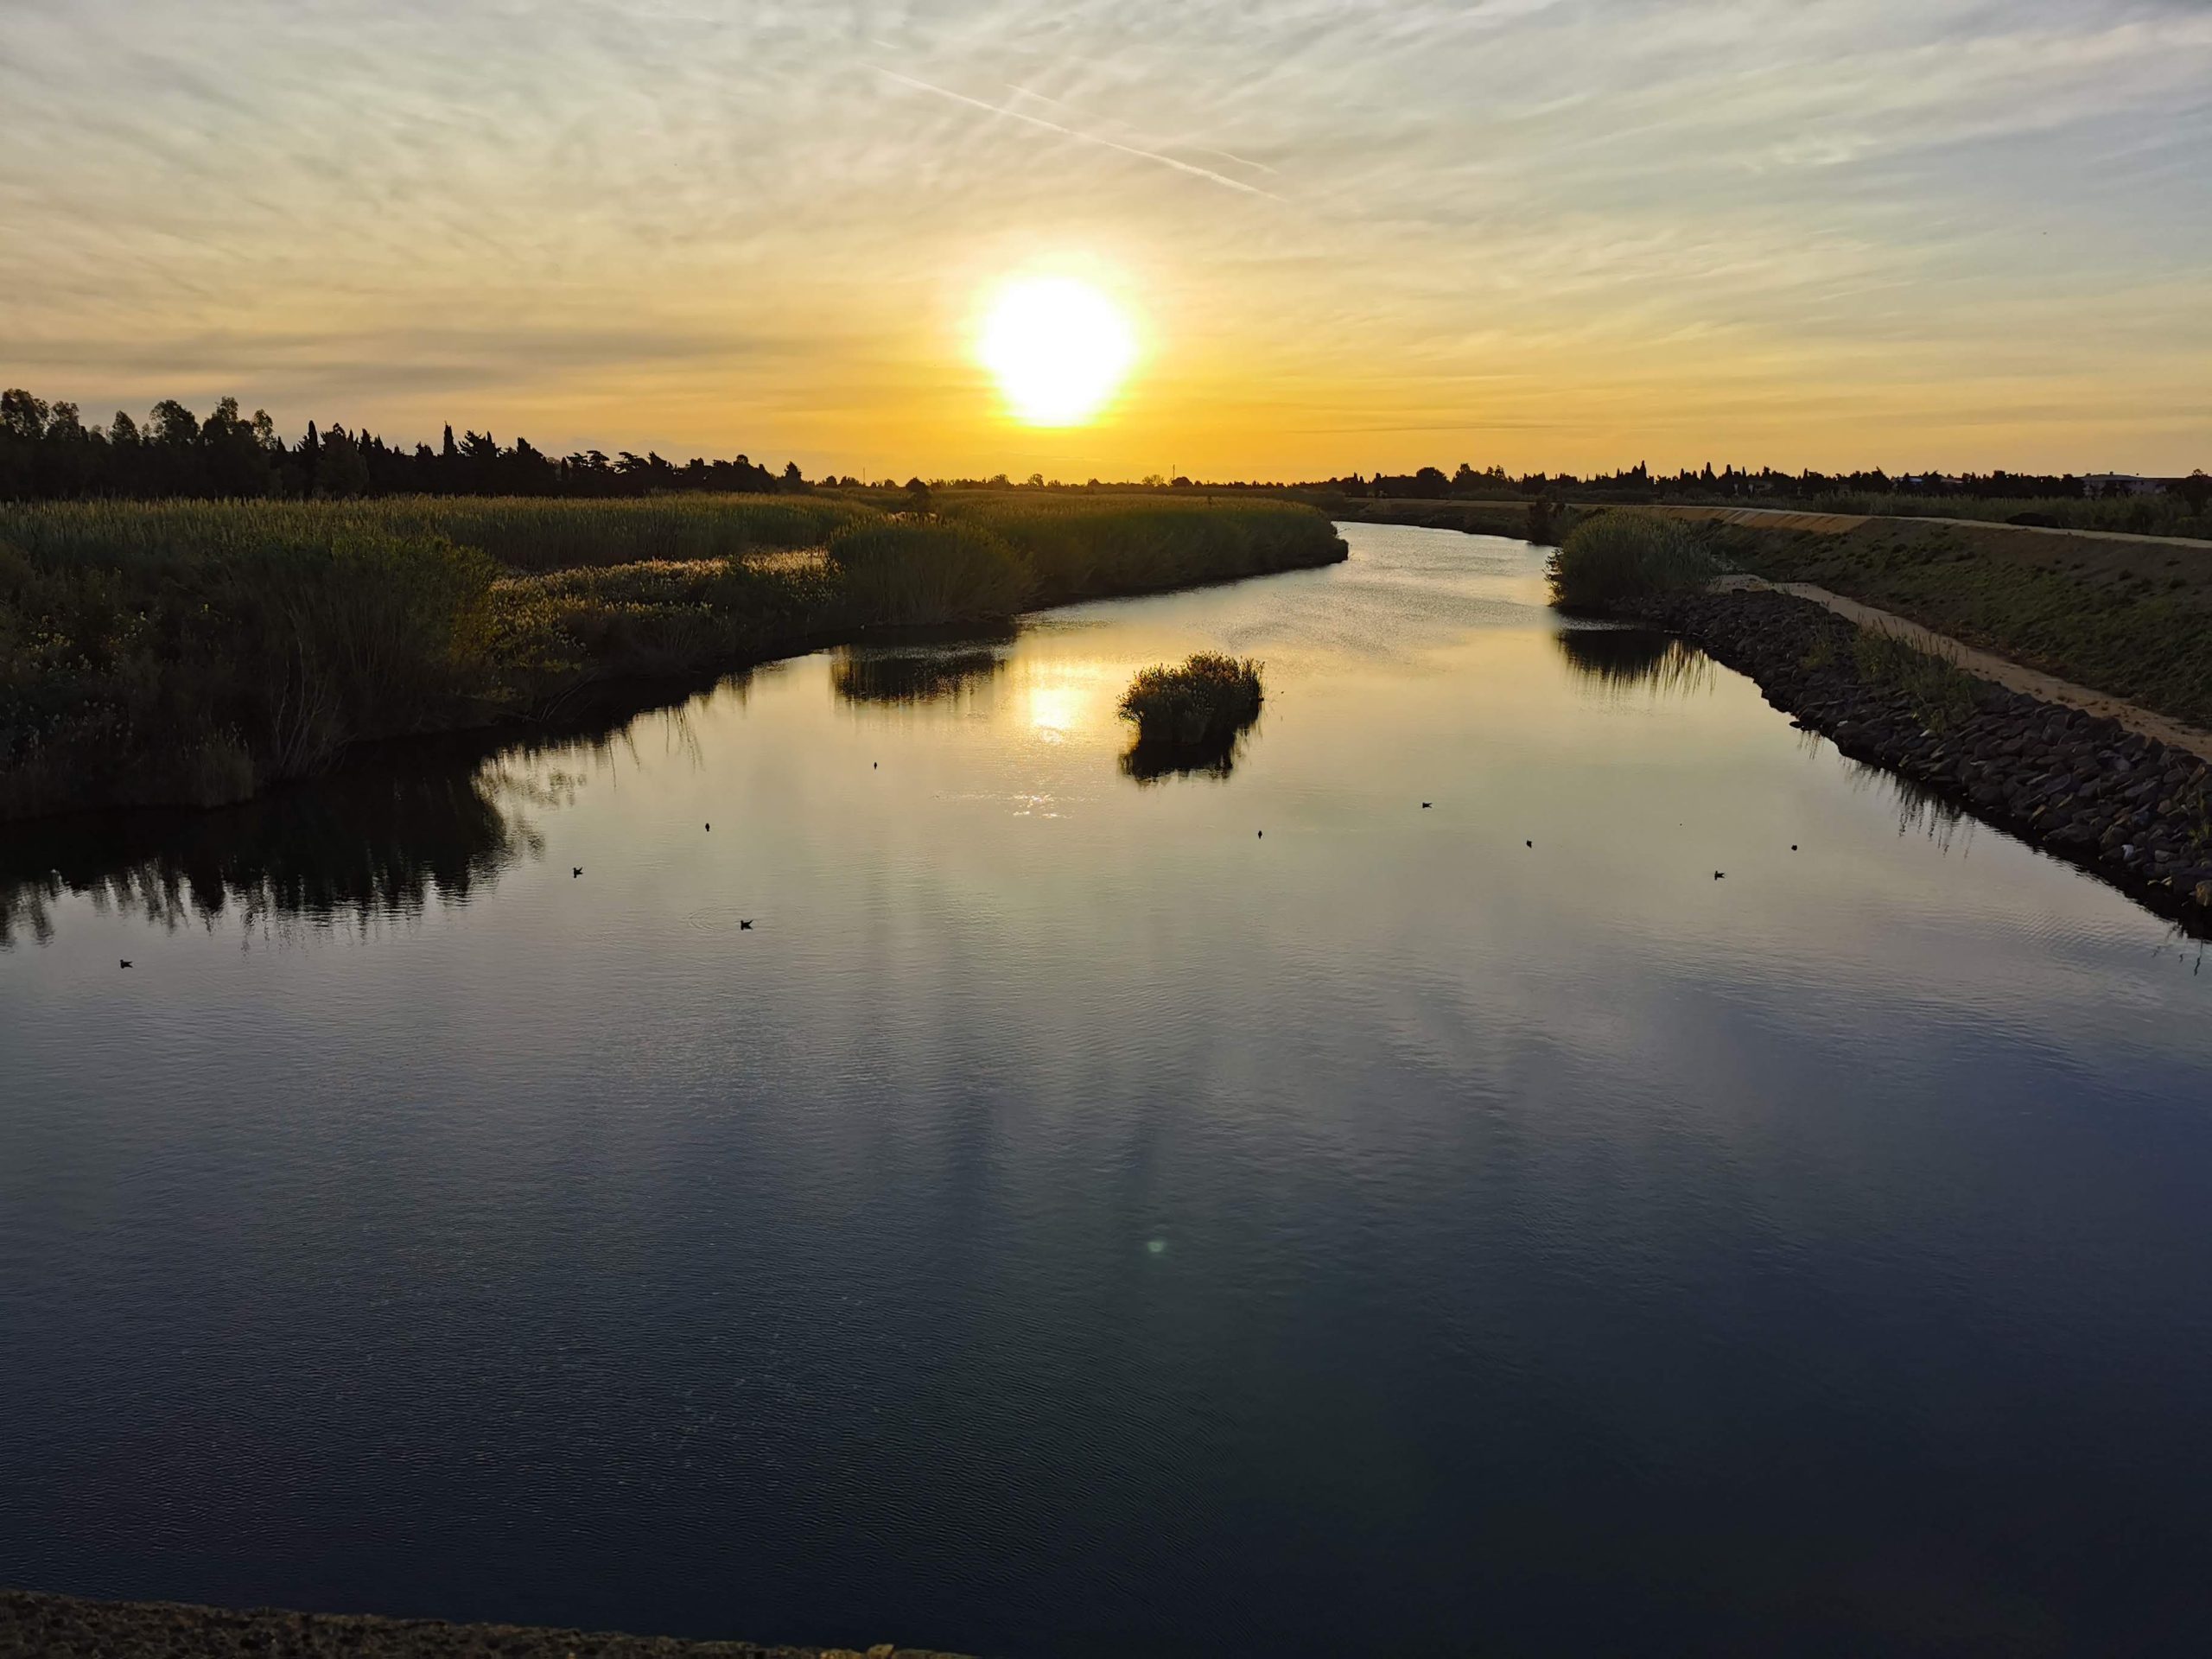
(1828,234)
(1179,165)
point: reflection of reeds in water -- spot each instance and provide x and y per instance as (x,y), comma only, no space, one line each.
(371,843)
(1152,763)
(910,676)
(1920,809)
(1620,660)
(354,849)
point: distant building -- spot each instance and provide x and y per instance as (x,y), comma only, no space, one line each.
(2110,484)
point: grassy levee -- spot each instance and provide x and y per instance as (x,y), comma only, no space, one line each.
(2165,514)
(2132,619)
(192,653)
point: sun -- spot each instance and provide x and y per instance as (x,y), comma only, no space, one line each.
(1058,347)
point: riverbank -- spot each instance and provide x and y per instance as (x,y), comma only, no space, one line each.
(1987,665)
(2135,810)
(193,654)
(2132,617)
(35,1626)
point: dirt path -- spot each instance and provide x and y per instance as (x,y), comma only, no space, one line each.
(1998,669)
(1829,524)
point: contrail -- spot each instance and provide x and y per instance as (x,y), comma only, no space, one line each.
(1207,174)
(1019,90)
(1257,167)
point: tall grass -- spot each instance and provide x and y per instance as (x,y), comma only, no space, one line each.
(1942,694)
(1080,547)
(1621,559)
(529,535)
(657,617)
(914,574)
(519,533)
(195,666)
(193,652)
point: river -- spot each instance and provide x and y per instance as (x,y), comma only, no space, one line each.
(1275,1209)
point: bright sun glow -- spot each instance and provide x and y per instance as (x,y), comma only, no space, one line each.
(1058,347)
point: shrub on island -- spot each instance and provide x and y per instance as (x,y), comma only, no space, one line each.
(1207,701)
(1623,558)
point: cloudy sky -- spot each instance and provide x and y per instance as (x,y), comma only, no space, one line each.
(1353,233)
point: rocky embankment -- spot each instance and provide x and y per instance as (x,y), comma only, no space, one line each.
(2136,811)
(34,1626)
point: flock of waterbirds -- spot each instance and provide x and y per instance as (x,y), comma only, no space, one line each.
(744,924)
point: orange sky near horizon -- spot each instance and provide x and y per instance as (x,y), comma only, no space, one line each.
(1566,235)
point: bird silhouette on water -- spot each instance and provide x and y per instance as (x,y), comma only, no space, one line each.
(1720,875)
(1425,805)
(744,925)
(1528,843)
(579,870)
(125,964)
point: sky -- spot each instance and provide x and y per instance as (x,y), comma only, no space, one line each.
(1350,234)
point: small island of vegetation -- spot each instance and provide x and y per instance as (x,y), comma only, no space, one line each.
(1209,697)
(1188,718)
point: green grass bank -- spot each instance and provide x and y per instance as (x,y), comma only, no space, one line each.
(2129,618)
(192,653)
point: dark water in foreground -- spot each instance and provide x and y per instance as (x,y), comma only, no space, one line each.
(1070,1223)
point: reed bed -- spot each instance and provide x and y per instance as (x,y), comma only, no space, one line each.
(194,652)
(1081,546)
(923,574)
(519,533)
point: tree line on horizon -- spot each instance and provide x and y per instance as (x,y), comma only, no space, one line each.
(48,453)
(1640,483)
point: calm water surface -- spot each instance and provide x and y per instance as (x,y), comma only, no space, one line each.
(1088,1216)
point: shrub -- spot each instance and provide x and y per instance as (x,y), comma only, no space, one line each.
(1619,559)
(1208,700)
